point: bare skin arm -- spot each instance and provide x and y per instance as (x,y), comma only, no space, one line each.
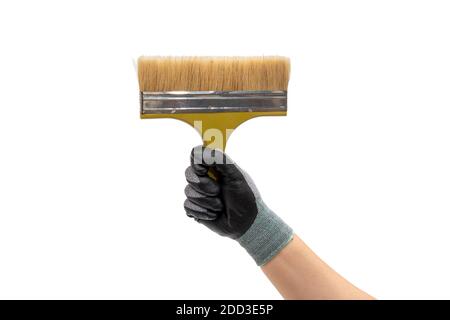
(298,273)
(232,206)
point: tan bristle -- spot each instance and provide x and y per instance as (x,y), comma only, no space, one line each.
(213,73)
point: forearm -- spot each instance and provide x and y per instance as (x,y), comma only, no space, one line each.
(232,207)
(298,273)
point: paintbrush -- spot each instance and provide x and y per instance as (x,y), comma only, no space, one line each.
(213,94)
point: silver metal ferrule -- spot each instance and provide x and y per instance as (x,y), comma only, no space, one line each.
(173,102)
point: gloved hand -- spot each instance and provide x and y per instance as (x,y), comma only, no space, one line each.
(232,206)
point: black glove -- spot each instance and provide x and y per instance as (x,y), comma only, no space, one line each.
(232,206)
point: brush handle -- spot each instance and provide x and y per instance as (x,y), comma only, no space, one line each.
(213,174)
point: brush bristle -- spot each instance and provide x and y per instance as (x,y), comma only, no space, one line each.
(213,73)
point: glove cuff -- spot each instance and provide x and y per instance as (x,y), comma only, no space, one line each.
(267,236)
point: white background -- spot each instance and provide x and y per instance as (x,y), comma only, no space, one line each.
(91,196)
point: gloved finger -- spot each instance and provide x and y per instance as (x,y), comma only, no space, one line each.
(203,184)
(205,158)
(209,203)
(197,212)
(196,161)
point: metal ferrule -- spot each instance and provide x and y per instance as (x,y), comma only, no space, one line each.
(174,102)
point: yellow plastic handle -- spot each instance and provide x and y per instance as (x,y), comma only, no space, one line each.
(215,128)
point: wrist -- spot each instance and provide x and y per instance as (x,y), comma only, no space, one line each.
(267,236)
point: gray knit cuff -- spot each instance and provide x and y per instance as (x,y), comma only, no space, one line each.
(267,235)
